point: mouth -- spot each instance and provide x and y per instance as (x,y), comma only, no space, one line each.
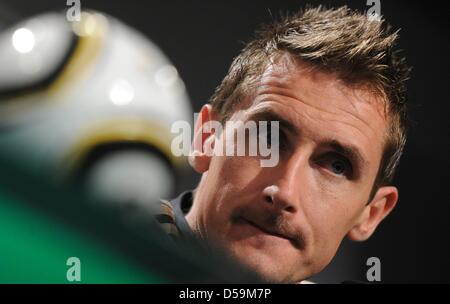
(265,231)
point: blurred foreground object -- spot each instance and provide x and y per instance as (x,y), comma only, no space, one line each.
(91,101)
(42,226)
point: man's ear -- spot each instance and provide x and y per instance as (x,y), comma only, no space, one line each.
(203,141)
(379,207)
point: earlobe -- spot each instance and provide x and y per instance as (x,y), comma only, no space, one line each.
(200,154)
(381,205)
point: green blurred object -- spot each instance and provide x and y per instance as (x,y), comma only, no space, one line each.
(34,249)
(42,225)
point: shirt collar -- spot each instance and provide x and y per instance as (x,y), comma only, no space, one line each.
(181,206)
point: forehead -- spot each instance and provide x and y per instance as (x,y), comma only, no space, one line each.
(320,105)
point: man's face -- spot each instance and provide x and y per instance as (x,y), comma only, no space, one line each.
(287,221)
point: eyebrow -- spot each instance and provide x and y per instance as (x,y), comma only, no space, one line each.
(269,115)
(350,151)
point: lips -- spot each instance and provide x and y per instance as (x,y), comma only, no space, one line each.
(266,230)
(268,223)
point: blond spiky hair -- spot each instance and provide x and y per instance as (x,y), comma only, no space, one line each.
(359,50)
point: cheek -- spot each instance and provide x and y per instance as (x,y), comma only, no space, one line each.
(330,229)
(236,172)
(231,181)
(330,217)
(335,202)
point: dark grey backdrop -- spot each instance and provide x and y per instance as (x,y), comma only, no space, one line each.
(202,37)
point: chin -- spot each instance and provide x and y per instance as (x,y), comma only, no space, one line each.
(264,264)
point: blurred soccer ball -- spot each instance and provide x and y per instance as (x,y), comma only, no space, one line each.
(92,100)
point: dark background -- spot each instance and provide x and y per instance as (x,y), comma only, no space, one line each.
(202,37)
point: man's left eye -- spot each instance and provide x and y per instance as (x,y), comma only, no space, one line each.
(337,165)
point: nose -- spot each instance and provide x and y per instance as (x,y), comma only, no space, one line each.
(283,190)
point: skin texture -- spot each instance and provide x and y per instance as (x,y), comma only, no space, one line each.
(287,222)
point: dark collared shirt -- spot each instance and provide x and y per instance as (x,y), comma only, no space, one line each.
(172,219)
